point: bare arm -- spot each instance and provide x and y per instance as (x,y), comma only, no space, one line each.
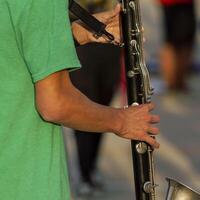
(60,102)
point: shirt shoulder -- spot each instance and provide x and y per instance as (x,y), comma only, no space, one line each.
(46,38)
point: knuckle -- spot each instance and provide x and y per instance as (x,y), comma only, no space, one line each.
(146,137)
(142,135)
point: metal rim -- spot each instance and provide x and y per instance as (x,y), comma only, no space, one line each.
(171,179)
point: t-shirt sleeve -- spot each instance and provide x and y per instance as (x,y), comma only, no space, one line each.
(47,41)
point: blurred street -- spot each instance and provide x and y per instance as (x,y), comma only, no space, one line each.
(178,156)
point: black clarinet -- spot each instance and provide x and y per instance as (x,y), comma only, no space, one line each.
(139,91)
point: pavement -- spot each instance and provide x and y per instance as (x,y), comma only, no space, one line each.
(178,156)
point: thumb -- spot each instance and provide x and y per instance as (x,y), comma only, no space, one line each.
(115,11)
(117,8)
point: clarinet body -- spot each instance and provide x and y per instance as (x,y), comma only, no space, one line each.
(139,91)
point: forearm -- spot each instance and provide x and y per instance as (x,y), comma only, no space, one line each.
(58,101)
(63,104)
(78,112)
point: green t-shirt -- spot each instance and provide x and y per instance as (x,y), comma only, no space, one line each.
(35,41)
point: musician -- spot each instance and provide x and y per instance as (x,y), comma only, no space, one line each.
(36,55)
(177,52)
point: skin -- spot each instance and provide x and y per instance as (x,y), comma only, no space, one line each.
(58,101)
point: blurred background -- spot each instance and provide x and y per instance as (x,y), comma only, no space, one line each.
(178,156)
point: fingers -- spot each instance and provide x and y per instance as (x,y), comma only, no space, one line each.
(149,106)
(151,141)
(153,130)
(142,129)
(154,119)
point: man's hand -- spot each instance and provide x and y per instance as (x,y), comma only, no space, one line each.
(110,18)
(137,124)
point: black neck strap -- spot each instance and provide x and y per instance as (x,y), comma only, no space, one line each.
(95,25)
